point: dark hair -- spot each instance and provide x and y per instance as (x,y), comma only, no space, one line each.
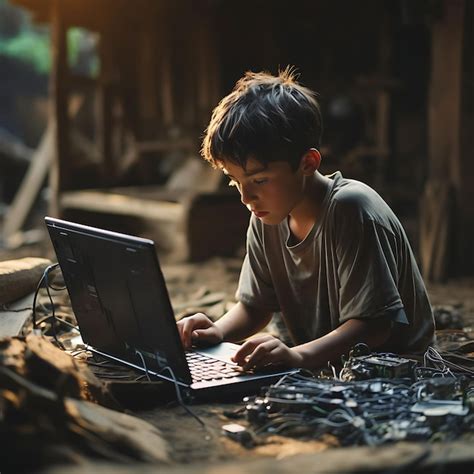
(268,118)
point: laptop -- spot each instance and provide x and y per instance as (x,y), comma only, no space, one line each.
(121,303)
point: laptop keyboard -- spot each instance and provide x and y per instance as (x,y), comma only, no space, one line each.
(204,368)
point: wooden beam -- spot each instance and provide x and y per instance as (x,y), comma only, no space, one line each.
(34,178)
(165,71)
(60,170)
(119,204)
(31,184)
(444,108)
(207,67)
(444,124)
(464,172)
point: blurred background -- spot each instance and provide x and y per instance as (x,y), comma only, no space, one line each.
(103,104)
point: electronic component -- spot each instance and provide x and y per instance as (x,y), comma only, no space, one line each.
(376,398)
(378,365)
(239,433)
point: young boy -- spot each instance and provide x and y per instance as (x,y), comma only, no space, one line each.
(325,251)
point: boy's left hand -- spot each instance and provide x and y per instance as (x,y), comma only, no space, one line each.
(264,350)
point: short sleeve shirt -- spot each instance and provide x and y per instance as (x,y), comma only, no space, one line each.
(356,262)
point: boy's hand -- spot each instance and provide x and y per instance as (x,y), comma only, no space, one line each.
(198,328)
(263,350)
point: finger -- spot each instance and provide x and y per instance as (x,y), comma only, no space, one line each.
(188,328)
(199,320)
(261,355)
(179,326)
(204,335)
(248,347)
(274,358)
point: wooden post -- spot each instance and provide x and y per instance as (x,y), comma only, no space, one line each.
(445,165)
(60,170)
(463,171)
(104,105)
(444,107)
(147,65)
(165,69)
(207,68)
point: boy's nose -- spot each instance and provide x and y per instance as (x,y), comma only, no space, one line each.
(245,196)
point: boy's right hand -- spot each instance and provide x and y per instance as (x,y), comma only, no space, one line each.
(197,329)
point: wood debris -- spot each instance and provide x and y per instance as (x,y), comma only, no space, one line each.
(48,415)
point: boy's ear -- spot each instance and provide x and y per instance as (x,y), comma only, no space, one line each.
(310,161)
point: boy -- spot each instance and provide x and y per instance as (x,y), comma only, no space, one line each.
(326,251)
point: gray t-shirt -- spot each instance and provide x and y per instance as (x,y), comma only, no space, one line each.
(356,262)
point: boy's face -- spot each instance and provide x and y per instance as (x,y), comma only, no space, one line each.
(271,192)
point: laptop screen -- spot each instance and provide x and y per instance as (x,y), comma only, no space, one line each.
(118,295)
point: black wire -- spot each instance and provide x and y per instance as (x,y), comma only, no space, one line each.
(35,296)
(44,278)
(56,288)
(38,287)
(54,319)
(18,310)
(377,416)
(177,389)
(181,401)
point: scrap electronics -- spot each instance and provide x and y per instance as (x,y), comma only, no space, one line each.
(375,398)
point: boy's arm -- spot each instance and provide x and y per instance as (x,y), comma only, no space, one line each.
(373,332)
(260,351)
(238,323)
(242,321)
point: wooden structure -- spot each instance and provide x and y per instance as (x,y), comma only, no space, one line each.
(163,67)
(148,106)
(165,64)
(447,225)
(153,93)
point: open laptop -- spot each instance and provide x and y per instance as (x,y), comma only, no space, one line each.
(119,297)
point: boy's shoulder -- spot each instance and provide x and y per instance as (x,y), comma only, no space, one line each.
(350,192)
(356,201)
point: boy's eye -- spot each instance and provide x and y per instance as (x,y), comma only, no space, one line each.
(260,181)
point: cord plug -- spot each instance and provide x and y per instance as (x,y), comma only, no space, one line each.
(240,434)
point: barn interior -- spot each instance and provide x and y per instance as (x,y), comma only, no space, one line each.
(109,135)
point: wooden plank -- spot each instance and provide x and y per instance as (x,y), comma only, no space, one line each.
(45,383)
(31,184)
(14,316)
(140,440)
(123,205)
(184,143)
(34,178)
(13,150)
